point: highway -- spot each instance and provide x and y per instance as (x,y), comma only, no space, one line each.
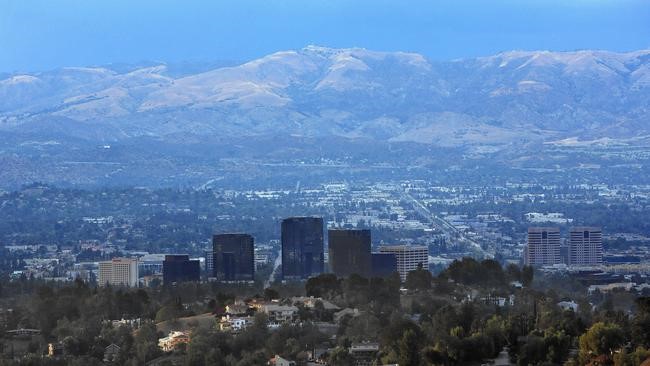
(276,269)
(443,225)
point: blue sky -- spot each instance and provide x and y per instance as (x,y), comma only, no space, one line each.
(45,34)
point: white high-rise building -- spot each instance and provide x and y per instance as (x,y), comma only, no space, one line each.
(409,257)
(209,263)
(119,272)
(543,246)
(585,246)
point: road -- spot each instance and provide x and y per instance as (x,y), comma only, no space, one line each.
(275,272)
(443,224)
(503,359)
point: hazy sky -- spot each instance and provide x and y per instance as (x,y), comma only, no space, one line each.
(44,34)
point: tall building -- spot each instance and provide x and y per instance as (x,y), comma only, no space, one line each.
(119,272)
(585,246)
(543,246)
(564,253)
(349,252)
(383,264)
(234,258)
(409,257)
(302,247)
(209,262)
(179,268)
(150,264)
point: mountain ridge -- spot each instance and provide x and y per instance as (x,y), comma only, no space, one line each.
(510,97)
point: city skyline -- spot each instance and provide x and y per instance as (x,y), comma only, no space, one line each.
(325,182)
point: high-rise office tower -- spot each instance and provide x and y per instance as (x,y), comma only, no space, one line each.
(349,252)
(234,258)
(543,246)
(383,264)
(179,268)
(209,262)
(302,247)
(585,246)
(409,257)
(119,272)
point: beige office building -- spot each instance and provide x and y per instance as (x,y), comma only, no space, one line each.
(585,246)
(119,272)
(409,257)
(543,247)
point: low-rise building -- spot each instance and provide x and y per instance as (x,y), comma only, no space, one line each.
(234,324)
(111,352)
(568,305)
(237,309)
(627,286)
(133,323)
(23,333)
(173,340)
(328,329)
(152,280)
(339,315)
(499,301)
(280,313)
(310,302)
(280,361)
(55,349)
(364,353)
(5,314)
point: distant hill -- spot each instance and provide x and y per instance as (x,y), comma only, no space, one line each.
(507,98)
(322,114)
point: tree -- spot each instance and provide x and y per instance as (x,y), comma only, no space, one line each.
(469,271)
(434,357)
(271,294)
(532,352)
(557,345)
(198,348)
(420,279)
(168,312)
(71,346)
(600,341)
(340,357)
(409,350)
(636,358)
(356,290)
(466,316)
(641,323)
(324,285)
(527,275)
(362,327)
(514,272)
(320,313)
(146,342)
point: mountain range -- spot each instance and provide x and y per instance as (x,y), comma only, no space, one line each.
(320,114)
(510,98)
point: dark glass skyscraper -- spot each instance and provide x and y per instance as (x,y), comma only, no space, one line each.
(383,264)
(302,247)
(349,252)
(179,268)
(234,257)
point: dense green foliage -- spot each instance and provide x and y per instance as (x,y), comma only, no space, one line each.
(450,319)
